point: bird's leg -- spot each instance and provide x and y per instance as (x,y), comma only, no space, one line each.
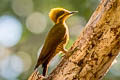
(65,51)
(45,67)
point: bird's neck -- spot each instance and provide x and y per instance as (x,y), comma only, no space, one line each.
(61,22)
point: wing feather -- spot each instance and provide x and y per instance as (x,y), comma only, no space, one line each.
(54,38)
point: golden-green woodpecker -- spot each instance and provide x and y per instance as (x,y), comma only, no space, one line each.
(57,37)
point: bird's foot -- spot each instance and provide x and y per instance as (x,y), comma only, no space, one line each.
(65,51)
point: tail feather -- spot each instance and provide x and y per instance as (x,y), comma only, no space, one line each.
(45,68)
(38,64)
(36,67)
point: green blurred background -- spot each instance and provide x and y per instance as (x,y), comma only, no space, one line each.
(23,27)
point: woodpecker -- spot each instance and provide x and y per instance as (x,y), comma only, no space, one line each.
(56,39)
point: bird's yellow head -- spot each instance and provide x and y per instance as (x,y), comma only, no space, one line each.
(59,14)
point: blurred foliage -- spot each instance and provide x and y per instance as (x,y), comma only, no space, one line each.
(33,16)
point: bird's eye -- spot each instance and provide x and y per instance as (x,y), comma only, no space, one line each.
(59,14)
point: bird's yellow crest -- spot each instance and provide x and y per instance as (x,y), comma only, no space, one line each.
(57,13)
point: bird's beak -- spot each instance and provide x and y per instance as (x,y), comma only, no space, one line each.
(73,12)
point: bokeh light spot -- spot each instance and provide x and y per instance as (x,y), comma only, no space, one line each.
(11,67)
(10,31)
(26,58)
(36,22)
(22,7)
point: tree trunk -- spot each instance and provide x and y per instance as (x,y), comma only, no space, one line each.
(94,51)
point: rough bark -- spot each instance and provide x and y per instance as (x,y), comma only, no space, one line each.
(94,51)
